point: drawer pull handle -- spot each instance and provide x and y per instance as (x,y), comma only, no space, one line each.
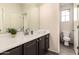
(31,44)
(6,52)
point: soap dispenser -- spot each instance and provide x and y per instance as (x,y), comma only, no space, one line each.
(32,32)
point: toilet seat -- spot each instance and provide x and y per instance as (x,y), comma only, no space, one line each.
(66,38)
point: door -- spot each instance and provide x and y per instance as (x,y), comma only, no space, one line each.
(46,42)
(14,51)
(76,25)
(30,48)
(41,46)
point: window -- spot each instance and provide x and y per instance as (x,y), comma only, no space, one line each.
(65,15)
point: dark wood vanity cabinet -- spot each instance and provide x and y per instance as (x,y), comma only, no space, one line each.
(14,51)
(37,46)
(31,48)
(46,42)
(41,45)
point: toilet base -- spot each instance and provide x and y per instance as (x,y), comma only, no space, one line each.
(66,43)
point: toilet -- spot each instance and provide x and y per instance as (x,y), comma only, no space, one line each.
(66,38)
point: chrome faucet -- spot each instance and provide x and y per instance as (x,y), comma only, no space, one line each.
(27,31)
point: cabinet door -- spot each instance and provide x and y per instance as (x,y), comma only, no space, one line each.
(46,42)
(14,51)
(41,45)
(31,48)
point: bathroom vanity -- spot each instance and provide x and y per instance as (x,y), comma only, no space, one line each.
(36,44)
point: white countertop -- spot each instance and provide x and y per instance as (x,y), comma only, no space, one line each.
(7,42)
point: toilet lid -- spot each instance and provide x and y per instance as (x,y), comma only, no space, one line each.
(66,38)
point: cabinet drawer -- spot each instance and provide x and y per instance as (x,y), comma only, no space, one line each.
(14,51)
(31,48)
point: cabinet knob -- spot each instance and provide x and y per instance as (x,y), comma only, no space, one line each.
(47,36)
(40,39)
(37,40)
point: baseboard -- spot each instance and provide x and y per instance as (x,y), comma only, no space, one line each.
(53,52)
(70,44)
(75,51)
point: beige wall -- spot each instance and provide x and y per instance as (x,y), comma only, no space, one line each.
(49,19)
(11,16)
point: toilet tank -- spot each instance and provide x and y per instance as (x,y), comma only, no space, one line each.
(66,34)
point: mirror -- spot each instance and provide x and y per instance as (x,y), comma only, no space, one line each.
(19,16)
(32,19)
(11,17)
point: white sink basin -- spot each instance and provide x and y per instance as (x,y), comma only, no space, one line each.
(40,32)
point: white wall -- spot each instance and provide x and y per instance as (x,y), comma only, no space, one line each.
(49,19)
(11,16)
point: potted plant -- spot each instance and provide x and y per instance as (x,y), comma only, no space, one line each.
(12,31)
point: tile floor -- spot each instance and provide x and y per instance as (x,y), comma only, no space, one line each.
(66,50)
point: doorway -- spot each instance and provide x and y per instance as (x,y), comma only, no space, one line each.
(66,29)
